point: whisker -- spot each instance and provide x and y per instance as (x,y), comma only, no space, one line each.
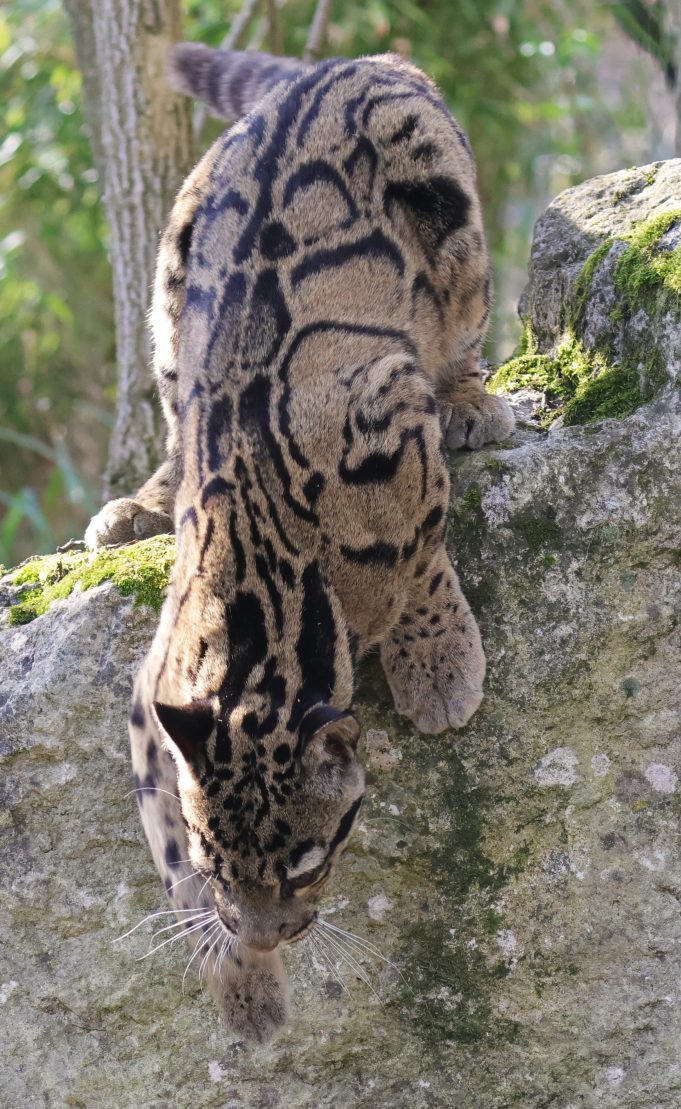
(199,947)
(317,946)
(181,880)
(217,941)
(153,916)
(203,886)
(349,958)
(339,954)
(181,923)
(227,945)
(351,936)
(177,936)
(221,955)
(206,957)
(364,945)
(152,789)
(358,969)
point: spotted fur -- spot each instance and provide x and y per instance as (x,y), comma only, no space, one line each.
(321,297)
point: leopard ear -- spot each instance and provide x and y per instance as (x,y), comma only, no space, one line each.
(329,735)
(188,728)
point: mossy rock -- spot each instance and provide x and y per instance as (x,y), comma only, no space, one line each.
(602,313)
(139,570)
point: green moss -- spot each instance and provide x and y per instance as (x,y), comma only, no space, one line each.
(479,595)
(585,278)
(642,272)
(538,530)
(457,981)
(450,958)
(611,394)
(140,570)
(578,386)
(527,369)
(495,466)
(471,501)
(644,269)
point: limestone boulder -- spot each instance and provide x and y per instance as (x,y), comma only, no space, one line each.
(515,886)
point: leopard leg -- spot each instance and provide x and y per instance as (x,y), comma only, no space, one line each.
(474,417)
(433,657)
(251,991)
(149,512)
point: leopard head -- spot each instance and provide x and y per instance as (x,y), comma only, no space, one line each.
(268,815)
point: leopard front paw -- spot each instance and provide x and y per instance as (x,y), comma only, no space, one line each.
(434,660)
(478,420)
(433,700)
(255,1004)
(123,521)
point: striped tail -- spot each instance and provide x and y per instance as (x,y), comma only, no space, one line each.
(231,82)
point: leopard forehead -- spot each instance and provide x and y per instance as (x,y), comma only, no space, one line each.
(240,838)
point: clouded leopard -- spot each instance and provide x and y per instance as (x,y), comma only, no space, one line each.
(321,297)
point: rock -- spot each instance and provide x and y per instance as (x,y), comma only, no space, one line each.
(522,877)
(602,310)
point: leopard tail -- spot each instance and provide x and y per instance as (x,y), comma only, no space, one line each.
(230,82)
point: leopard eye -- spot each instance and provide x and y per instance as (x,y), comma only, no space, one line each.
(307,882)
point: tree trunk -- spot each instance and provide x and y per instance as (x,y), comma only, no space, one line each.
(141,142)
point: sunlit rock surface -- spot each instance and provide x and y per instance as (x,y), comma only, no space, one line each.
(523,876)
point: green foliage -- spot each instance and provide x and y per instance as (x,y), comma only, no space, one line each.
(645,21)
(510,72)
(64,495)
(56,320)
(141,570)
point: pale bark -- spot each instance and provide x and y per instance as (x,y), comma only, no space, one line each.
(142,146)
(317,34)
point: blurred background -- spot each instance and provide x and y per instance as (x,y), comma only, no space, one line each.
(551,92)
